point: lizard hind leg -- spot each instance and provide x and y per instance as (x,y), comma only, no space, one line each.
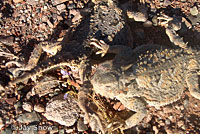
(90,115)
(137,105)
(192,81)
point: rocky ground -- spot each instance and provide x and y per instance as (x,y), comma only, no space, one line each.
(50,106)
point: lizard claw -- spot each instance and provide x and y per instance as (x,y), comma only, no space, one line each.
(101,45)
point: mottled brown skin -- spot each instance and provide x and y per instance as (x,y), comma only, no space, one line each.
(149,74)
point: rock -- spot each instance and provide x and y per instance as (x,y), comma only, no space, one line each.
(180,123)
(155,129)
(6,131)
(17,1)
(118,106)
(93,124)
(71,6)
(69,130)
(167,122)
(29,117)
(45,85)
(137,16)
(61,7)
(194,19)
(1,123)
(147,23)
(76,13)
(65,111)
(161,123)
(172,119)
(194,11)
(27,106)
(32,2)
(168,130)
(168,109)
(18,107)
(11,101)
(61,131)
(81,126)
(39,108)
(56,2)
(166,3)
(1,87)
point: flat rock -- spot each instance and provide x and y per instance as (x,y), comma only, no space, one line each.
(44,86)
(28,117)
(64,111)
(56,2)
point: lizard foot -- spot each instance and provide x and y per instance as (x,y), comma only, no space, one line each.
(101,45)
(172,25)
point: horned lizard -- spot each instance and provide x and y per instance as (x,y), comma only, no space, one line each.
(105,22)
(149,74)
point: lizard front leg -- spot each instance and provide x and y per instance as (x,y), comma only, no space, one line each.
(172,25)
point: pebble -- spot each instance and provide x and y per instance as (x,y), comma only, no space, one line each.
(168,109)
(32,2)
(69,130)
(1,123)
(94,125)
(39,108)
(194,11)
(57,2)
(185,103)
(27,106)
(172,118)
(28,117)
(161,123)
(11,101)
(180,123)
(168,130)
(137,16)
(61,7)
(65,111)
(81,126)
(155,129)
(183,0)
(49,23)
(166,3)
(17,1)
(77,15)
(18,107)
(71,6)
(61,131)
(167,122)
(147,23)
